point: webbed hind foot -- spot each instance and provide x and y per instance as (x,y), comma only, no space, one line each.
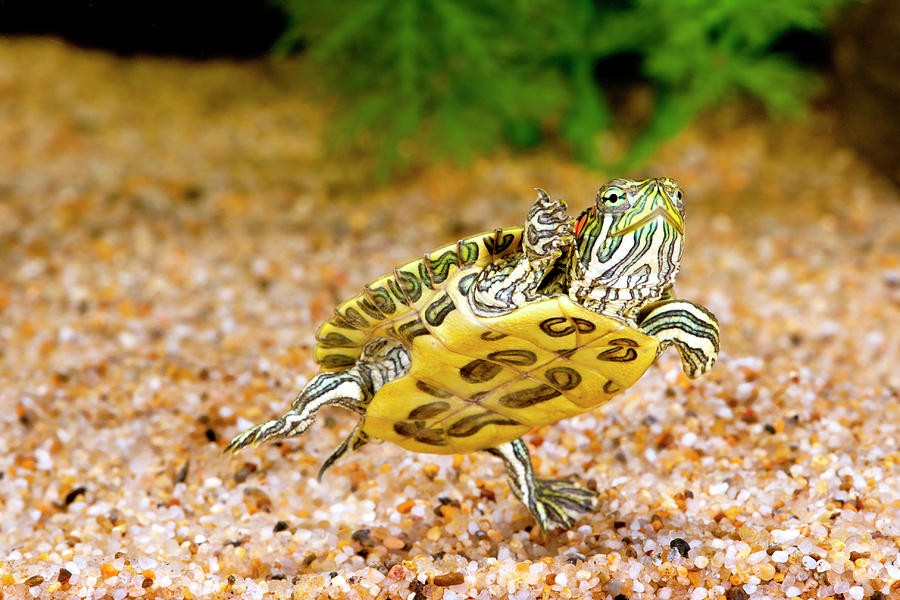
(562,502)
(551,501)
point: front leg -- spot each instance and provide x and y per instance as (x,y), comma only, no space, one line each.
(550,500)
(548,233)
(508,284)
(692,329)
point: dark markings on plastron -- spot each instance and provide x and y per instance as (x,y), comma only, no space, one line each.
(566,352)
(340,322)
(440,266)
(472,424)
(382,300)
(557,326)
(412,329)
(427,411)
(564,378)
(437,311)
(418,431)
(515,357)
(492,336)
(434,437)
(337,360)
(354,317)
(479,395)
(333,339)
(479,371)
(583,325)
(369,308)
(529,397)
(500,242)
(465,282)
(431,390)
(611,387)
(622,350)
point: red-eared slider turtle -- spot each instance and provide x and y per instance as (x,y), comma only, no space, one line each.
(481,341)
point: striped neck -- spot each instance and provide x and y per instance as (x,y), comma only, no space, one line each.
(624,260)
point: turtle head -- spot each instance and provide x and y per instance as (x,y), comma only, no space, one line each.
(630,239)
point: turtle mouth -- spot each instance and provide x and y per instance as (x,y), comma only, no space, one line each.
(668,215)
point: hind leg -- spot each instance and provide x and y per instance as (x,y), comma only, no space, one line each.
(381,361)
(549,500)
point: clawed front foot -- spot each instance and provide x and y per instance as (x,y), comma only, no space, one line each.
(549,230)
(561,502)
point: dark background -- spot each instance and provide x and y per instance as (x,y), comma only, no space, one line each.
(191,29)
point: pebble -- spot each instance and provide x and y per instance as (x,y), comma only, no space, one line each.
(165,266)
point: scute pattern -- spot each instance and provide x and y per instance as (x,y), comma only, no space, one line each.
(391,298)
(488,380)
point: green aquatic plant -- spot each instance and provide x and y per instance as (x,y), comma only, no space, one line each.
(429,78)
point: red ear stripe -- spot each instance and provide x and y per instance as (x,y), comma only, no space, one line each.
(579,224)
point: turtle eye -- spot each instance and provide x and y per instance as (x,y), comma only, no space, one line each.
(612,198)
(679,201)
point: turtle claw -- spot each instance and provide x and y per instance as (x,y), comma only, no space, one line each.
(561,502)
(252,436)
(549,230)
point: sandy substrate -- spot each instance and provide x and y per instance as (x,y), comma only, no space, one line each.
(171,235)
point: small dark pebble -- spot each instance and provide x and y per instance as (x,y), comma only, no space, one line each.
(488,495)
(308,559)
(363,537)
(183,472)
(34,580)
(769,428)
(575,558)
(444,500)
(877,596)
(278,577)
(71,496)
(280,526)
(620,597)
(648,420)
(64,576)
(231,579)
(618,524)
(682,546)
(210,434)
(688,494)
(332,575)
(736,593)
(149,582)
(439,555)
(416,586)
(448,579)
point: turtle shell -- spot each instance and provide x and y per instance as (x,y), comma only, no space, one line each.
(476,382)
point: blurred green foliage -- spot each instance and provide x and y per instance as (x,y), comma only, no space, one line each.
(427,78)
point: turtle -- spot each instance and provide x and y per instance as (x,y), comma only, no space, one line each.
(479,342)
